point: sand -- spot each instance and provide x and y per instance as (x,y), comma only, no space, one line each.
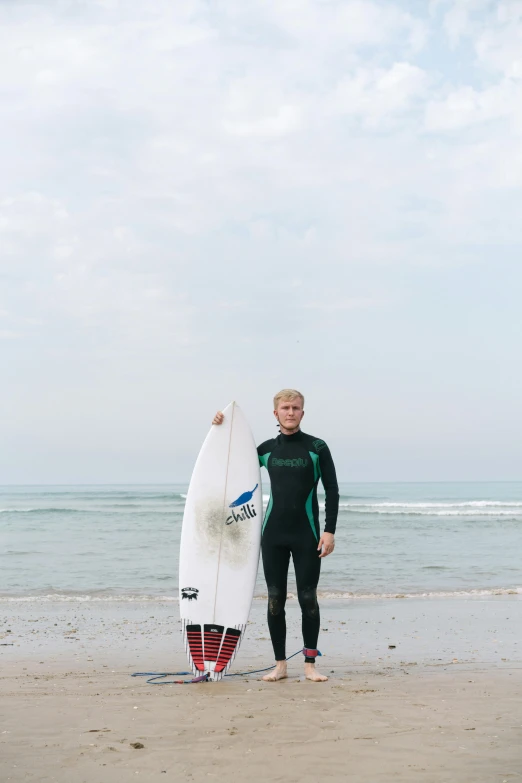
(444,704)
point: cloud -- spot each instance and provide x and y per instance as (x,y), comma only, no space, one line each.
(179,179)
(493,29)
(328,26)
(499,47)
(254,107)
(378,95)
(466,106)
(58,265)
(161,136)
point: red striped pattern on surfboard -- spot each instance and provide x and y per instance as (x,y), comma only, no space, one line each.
(228,647)
(221,647)
(195,644)
(212,641)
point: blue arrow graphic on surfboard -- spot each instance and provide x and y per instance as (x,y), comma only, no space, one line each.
(244,498)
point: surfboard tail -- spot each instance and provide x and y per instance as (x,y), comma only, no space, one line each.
(211,648)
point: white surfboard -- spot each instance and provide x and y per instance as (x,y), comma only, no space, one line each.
(220,540)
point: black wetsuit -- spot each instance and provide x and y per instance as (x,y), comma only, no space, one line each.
(295,463)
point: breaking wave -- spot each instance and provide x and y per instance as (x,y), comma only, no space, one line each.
(106,596)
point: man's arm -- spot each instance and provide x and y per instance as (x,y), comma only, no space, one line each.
(331,489)
(264,451)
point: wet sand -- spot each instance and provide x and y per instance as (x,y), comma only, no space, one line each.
(443,704)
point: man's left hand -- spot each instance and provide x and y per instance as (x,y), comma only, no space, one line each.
(326,544)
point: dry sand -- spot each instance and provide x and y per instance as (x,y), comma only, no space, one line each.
(451,711)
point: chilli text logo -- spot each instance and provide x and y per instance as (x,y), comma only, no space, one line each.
(245,510)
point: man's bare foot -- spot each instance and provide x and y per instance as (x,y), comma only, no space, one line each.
(312,674)
(279,673)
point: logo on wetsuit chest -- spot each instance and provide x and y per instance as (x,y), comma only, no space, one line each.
(289,463)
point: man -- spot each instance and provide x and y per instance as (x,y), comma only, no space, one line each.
(295,463)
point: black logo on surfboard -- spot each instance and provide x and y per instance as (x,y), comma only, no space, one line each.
(189,592)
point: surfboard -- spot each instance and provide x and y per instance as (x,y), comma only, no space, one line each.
(220,541)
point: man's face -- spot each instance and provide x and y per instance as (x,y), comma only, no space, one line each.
(289,413)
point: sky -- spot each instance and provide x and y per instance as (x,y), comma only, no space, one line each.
(210,200)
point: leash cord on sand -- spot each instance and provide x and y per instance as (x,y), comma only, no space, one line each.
(153,676)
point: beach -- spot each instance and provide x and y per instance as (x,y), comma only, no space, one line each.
(420,689)
(421,637)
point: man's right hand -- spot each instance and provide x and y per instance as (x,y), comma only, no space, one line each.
(218,418)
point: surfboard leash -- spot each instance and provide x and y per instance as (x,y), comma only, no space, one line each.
(258,671)
(158,676)
(154,676)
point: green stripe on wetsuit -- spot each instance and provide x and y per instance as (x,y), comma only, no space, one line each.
(309,499)
(263,461)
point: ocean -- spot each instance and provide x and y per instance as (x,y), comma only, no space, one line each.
(106,543)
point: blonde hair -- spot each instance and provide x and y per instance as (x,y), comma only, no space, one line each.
(287,394)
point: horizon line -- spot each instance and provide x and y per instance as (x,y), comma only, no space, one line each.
(187,481)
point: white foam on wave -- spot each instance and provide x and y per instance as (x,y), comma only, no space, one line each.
(327,595)
(471,508)
(19,510)
(87,598)
(438,513)
(111,508)
(432,594)
(464,504)
(332,595)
